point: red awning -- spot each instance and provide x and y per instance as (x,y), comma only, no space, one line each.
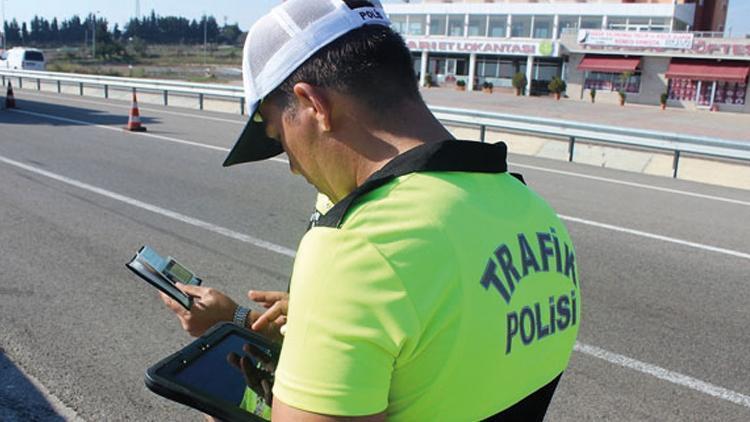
(708,70)
(609,64)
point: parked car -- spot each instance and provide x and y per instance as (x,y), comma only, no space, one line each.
(20,58)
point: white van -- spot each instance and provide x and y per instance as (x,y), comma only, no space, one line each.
(20,58)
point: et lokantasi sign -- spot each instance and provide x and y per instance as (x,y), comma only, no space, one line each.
(512,48)
(677,40)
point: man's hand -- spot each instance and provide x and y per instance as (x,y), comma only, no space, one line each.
(210,307)
(277,306)
(257,378)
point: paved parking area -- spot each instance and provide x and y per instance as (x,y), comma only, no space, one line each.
(724,125)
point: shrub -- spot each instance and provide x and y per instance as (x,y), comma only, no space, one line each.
(557,85)
(460,82)
(519,81)
(487,85)
(663,98)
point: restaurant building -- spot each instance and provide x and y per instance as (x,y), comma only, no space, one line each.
(693,69)
(671,46)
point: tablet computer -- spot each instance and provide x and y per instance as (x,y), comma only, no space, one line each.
(200,375)
(162,273)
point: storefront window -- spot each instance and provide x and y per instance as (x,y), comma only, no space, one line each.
(417,24)
(487,68)
(498,26)
(567,22)
(605,81)
(542,27)
(477,25)
(730,93)
(456,25)
(398,23)
(507,69)
(700,92)
(682,89)
(591,22)
(546,70)
(520,26)
(437,24)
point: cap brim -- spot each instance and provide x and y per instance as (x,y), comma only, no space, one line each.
(253,144)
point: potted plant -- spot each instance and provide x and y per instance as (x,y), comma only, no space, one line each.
(519,82)
(623,96)
(428,82)
(487,87)
(592,94)
(557,86)
(461,85)
(663,100)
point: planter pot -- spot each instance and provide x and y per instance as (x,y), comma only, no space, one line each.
(663,106)
(518,92)
(557,96)
(593,101)
(622,103)
(487,90)
(460,88)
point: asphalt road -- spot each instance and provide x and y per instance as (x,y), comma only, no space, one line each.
(664,263)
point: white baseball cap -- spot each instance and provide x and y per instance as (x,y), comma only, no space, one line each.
(277,45)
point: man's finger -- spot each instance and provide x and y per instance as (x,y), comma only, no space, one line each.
(195,291)
(171,304)
(270,315)
(266,298)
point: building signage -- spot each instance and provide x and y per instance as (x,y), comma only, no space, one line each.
(678,40)
(701,48)
(509,48)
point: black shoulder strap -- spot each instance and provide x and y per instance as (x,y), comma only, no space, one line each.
(446,156)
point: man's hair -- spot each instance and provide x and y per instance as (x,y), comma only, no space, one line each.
(370,63)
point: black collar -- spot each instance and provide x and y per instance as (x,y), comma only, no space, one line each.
(446,156)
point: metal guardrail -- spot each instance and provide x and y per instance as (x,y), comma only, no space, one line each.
(677,144)
(135,84)
(573,132)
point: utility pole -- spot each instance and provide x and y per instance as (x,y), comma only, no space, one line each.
(93,35)
(5,34)
(205,37)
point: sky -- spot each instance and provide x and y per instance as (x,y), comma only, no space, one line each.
(243,12)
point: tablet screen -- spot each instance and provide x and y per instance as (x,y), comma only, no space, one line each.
(212,374)
(200,375)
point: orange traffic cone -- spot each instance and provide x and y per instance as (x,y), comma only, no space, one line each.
(10,100)
(134,119)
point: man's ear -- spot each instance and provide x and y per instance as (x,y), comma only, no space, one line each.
(316,100)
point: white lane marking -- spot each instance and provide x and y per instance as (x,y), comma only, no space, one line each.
(547,170)
(155,110)
(155,209)
(573,219)
(627,362)
(664,374)
(633,184)
(121,130)
(657,237)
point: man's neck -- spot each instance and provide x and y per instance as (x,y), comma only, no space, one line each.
(368,143)
(404,131)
